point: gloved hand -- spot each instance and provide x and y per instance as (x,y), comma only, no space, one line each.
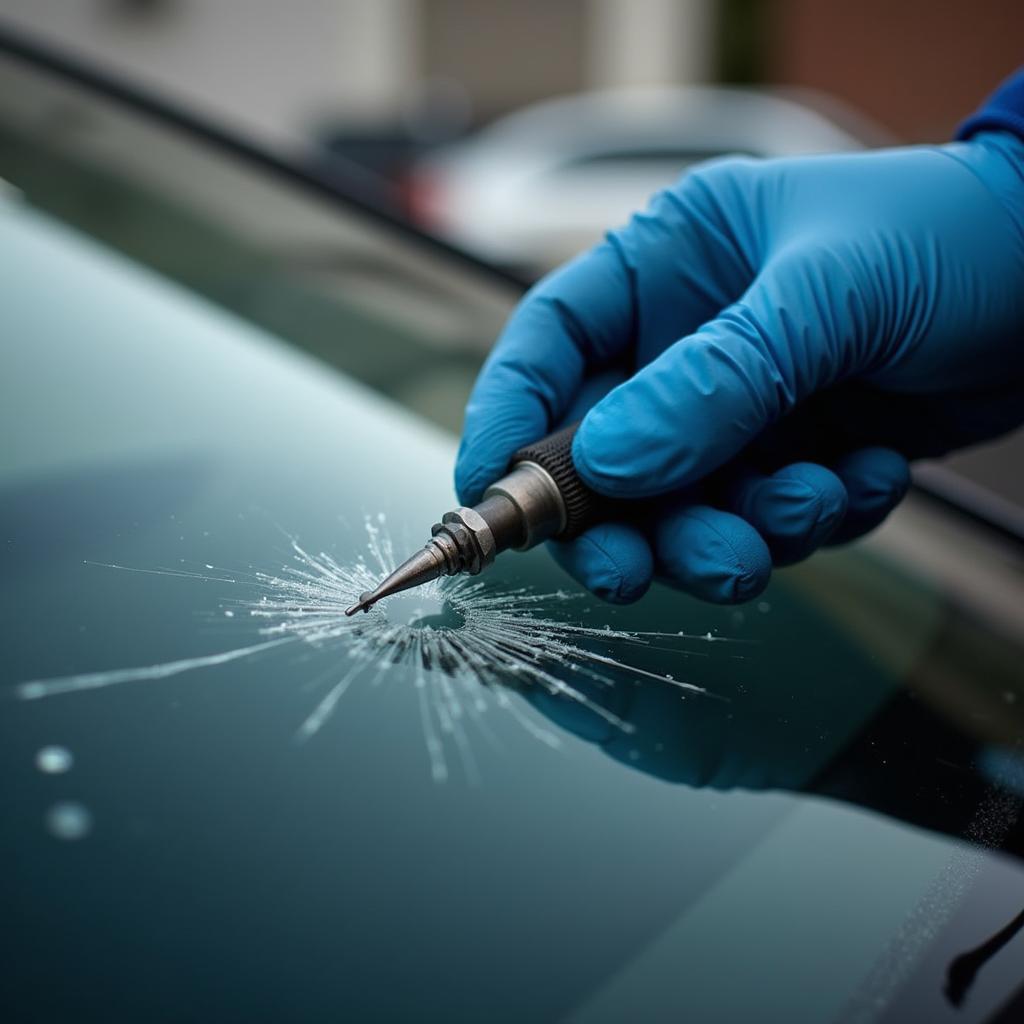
(789,333)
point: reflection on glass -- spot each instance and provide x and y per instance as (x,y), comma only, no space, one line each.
(873,733)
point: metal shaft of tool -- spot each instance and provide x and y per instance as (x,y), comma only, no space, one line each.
(519,511)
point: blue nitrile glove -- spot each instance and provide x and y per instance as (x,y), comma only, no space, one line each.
(795,330)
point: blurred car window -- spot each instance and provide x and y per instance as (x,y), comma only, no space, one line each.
(539,185)
(680,157)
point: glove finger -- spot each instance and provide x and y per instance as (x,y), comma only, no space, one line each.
(795,509)
(613,560)
(876,480)
(576,318)
(714,555)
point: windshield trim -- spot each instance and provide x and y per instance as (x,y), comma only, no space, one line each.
(952,491)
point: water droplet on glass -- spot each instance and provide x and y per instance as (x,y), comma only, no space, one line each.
(54,760)
(69,820)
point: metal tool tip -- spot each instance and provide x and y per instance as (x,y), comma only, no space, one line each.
(425,565)
(363,604)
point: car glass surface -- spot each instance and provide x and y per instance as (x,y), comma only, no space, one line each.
(195,860)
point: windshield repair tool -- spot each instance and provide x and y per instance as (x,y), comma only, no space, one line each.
(540,498)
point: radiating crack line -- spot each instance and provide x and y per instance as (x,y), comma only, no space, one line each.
(33,689)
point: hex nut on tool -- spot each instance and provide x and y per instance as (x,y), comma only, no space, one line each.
(474,537)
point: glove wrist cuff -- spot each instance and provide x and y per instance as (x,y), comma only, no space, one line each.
(1002,111)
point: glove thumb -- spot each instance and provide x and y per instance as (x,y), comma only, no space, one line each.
(710,394)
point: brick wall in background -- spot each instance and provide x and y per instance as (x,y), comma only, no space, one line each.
(916,66)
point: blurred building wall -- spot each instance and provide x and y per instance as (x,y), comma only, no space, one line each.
(916,66)
(508,54)
(648,42)
(264,64)
(277,67)
(503,55)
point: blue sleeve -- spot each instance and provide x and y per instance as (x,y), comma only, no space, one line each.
(1002,111)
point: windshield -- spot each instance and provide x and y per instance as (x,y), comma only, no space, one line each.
(495,800)
(285,258)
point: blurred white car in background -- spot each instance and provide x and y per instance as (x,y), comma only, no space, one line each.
(539,185)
